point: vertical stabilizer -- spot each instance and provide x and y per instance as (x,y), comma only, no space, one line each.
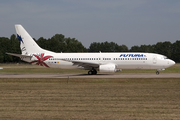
(27,44)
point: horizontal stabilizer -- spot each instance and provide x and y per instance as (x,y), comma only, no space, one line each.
(18,55)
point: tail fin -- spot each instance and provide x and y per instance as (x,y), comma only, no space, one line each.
(27,44)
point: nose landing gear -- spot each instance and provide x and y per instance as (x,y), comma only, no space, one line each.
(157,72)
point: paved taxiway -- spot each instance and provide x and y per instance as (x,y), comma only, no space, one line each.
(123,75)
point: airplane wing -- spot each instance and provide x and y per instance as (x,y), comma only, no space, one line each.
(86,65)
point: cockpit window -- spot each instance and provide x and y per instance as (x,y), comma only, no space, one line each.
(165,57)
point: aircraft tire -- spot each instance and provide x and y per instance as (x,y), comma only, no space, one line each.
(157,72)
(90,72)
(94,72)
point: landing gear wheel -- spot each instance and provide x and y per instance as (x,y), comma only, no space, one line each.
(94,72)
(90,72)
(157,72)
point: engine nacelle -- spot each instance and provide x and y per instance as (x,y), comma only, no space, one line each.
(108,68)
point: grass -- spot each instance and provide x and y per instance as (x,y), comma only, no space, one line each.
(27,68)
(150,99)
(103,98)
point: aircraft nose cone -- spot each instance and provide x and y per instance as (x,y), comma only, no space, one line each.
(171,62)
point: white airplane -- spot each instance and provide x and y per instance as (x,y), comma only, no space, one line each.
(103,62)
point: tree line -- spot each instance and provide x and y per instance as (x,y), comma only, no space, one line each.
(59,43)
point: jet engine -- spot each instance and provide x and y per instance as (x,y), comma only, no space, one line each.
(108,68)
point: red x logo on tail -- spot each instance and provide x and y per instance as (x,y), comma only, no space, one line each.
(41,60)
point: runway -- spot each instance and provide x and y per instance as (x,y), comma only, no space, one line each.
(75,75)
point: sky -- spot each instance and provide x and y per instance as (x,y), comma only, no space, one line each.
(125,22)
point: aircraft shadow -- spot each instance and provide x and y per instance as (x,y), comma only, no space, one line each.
(89,75)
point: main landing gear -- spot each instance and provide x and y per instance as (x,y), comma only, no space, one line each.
(157,72)
(92,72)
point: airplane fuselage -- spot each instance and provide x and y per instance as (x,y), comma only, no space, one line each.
(121,60)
